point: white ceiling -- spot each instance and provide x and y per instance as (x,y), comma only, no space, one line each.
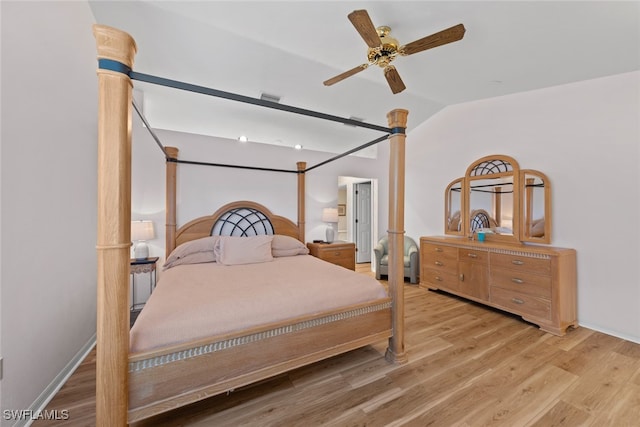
(289,48)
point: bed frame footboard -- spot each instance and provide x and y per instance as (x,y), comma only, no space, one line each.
(165,380)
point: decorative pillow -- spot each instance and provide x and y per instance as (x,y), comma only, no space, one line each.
(193,252)
(537,229)
(233,250)
(287,246)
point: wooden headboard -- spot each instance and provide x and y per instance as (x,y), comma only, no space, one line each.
(203,226)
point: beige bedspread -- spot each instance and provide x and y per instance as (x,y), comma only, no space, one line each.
(202,300)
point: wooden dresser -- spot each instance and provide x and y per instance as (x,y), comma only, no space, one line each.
(339,253)
(537,283)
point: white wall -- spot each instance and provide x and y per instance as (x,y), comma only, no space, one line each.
(48,186)
(585,136)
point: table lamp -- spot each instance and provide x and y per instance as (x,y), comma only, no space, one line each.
(141,231)
(330,216)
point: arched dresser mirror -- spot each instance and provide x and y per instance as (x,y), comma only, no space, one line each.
(499,199)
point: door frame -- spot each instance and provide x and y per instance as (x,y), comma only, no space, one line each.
(348,182)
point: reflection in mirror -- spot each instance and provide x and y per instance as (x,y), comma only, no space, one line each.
(453,208)
(491,204)
(535,205)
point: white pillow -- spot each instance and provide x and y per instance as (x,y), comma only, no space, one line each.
(233,250)
(287,246)
(193,252)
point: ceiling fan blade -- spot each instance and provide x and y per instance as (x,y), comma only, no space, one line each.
(449,35)
(361,21)
(346,74)
(393,78)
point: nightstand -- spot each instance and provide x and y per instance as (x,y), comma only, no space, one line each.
(142,266)
(339,253)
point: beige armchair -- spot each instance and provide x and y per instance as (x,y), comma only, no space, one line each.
(411,258)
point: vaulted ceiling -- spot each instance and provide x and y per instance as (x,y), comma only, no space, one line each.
(289,48)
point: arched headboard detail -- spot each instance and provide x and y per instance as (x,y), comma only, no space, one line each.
(481,219)
(241,213)
(241,222)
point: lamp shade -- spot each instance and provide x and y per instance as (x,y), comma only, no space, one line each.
(330,215)
(141,230)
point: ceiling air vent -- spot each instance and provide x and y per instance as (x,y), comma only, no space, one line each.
(269,97)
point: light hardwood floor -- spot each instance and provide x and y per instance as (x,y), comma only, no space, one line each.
(468,365)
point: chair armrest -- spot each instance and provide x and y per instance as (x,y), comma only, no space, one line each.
(413,249)
(379,251)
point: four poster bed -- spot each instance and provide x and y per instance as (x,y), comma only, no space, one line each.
(152,370)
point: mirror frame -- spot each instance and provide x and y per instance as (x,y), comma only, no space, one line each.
(489,167)
(447,208)
(500,166)
(525,203)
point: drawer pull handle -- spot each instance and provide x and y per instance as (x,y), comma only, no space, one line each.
(461,277)
(337,254)
(518,281)
(470,255)
(517,300)
(438,249)
(438,263)
(438,278)
(517,262)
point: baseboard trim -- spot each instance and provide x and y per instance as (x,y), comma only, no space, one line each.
(631,338)
(54,386)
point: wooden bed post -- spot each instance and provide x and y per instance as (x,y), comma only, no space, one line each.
(398,122)
(170,200)
(301,198)
(116,50)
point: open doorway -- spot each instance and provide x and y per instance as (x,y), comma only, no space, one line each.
(358,214)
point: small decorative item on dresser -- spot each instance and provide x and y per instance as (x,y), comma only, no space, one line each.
(339,253)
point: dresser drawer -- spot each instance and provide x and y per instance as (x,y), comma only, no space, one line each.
(343,254)
(520,303)
(443,265)
(537,265)
(439,278)
(333,255)
(473,255)
(433,251)
(522,282)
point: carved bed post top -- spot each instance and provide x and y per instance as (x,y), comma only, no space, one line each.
(114,44)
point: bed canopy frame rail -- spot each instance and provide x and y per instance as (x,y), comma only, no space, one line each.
(116,51)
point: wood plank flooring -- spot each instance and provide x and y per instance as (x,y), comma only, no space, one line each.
(469,365)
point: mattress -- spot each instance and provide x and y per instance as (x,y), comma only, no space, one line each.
(197,301)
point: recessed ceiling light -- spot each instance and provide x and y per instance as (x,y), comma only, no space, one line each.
(298,147)
(243,138)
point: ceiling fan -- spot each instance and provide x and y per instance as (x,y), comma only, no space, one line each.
(383,48)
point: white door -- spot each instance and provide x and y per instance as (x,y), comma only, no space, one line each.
(362,221)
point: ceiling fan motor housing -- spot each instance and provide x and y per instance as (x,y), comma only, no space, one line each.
(387,51)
